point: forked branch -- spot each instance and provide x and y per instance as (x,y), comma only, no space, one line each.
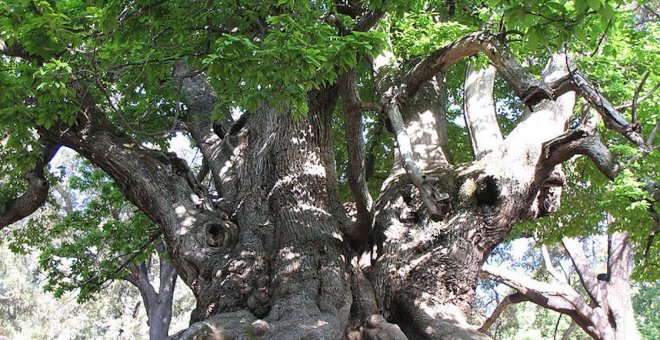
(558,297)
(530,89)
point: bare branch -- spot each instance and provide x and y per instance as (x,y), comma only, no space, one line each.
(558,297)
(568,331)
(549,266)
(651,136)
(37,191)
(612,118)
(602,38)
(405,148)
(629,104)
(67,197)
(635,101)
(583,268)
(501,307)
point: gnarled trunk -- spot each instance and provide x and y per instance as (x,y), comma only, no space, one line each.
(271,257)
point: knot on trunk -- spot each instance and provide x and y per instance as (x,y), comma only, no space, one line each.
(549,198)
(221,233)
(488,191)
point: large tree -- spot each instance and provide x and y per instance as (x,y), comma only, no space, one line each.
(261,234)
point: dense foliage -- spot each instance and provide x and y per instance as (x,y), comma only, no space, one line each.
(277,52)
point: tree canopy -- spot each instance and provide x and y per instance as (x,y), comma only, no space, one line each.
(117,80)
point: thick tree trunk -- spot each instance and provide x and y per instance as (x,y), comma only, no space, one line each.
(270,259)
(287,264)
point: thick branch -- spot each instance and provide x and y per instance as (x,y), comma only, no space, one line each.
(37,191)
(405,148)
(167,272)
(368,20)
(583,140)
(146,177)
(139,277)
(501,307)
(479,110)
(200,98)
(612,118)
(523,83)
(203,171)
(356,150)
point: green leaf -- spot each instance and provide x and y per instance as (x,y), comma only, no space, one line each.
(595,4)
(607,11)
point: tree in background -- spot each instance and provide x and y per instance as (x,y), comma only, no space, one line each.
(96,238)
(262,237)
(27,312)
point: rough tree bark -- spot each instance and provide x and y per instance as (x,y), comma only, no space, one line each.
(271,257)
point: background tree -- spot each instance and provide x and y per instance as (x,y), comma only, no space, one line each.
(264,242)
(30,313)
(96,238)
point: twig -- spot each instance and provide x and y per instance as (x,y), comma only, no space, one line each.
(654,232)
(557,326)
(636,96)
(642,98)
(602,37)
